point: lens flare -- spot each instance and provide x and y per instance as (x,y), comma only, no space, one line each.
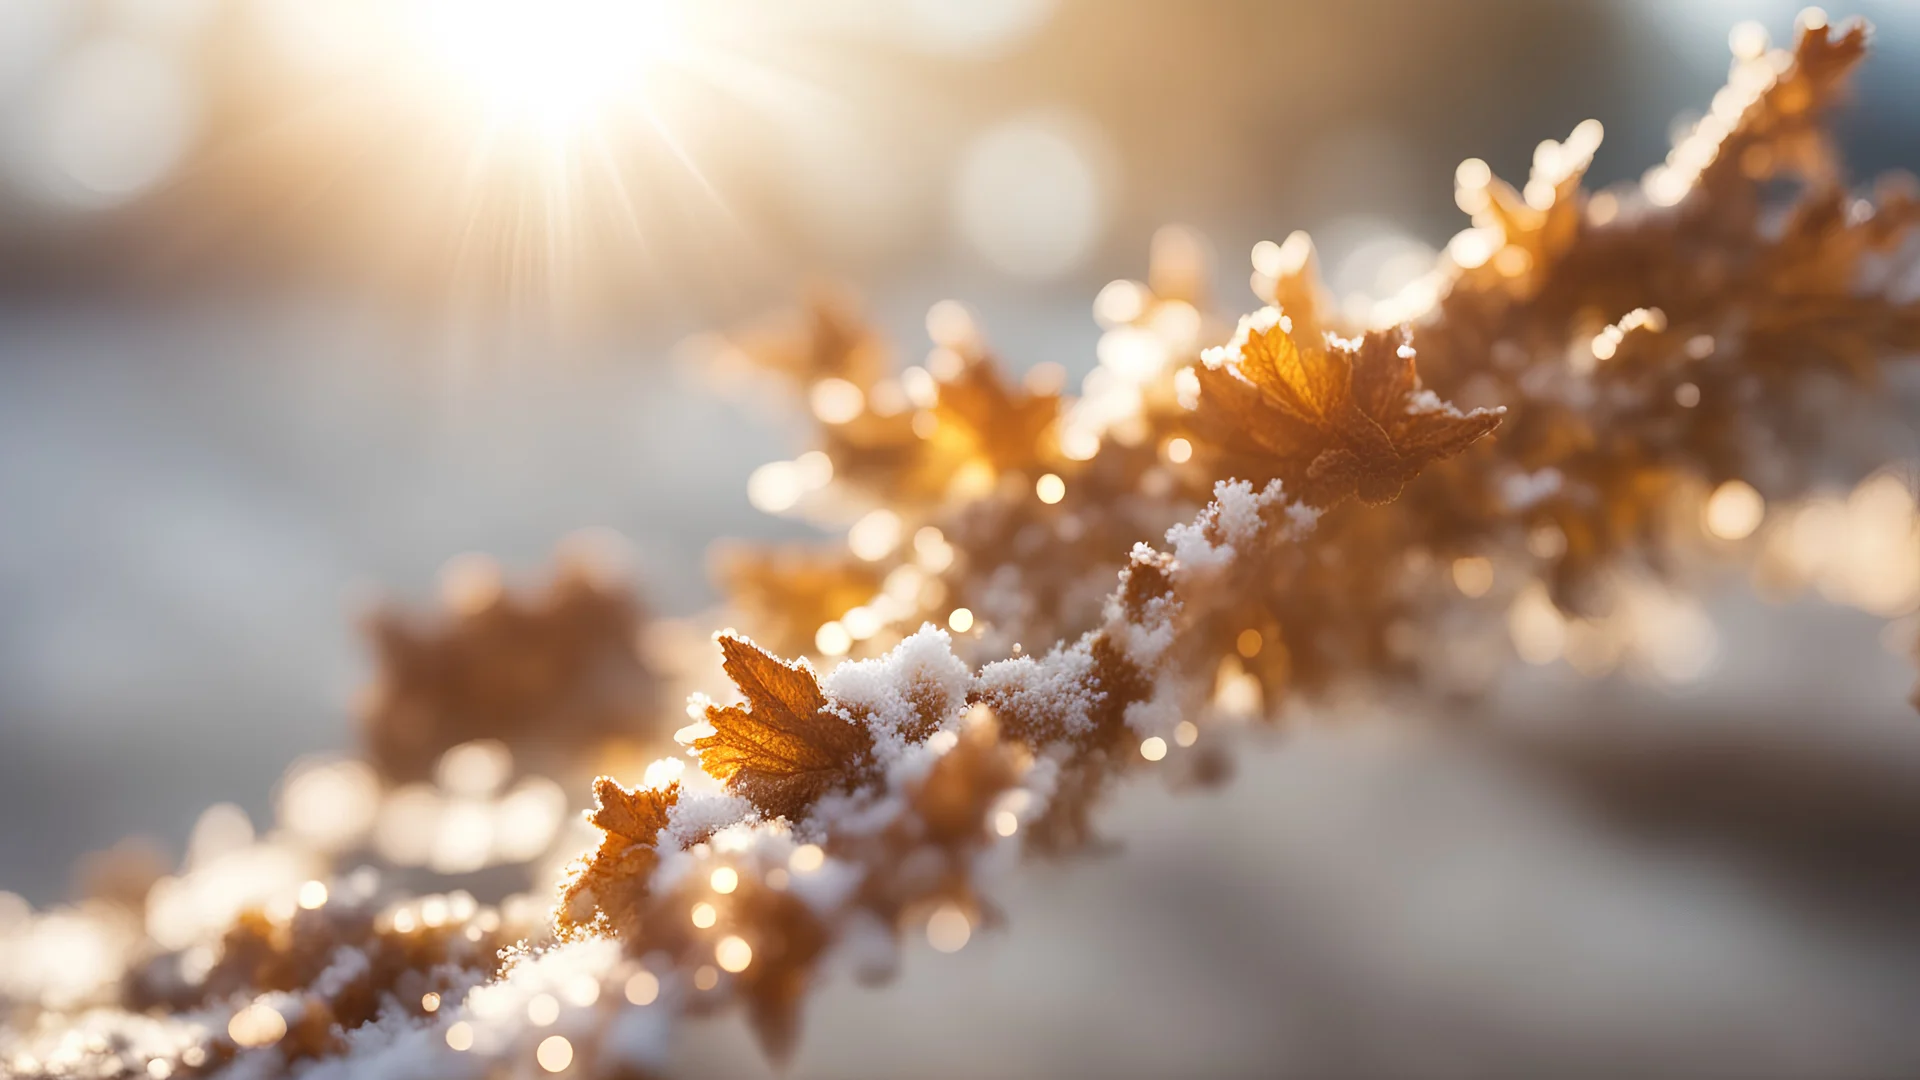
(547,67)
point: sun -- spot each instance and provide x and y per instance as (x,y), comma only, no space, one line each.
(547,68)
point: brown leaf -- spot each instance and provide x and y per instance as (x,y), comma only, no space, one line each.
(637,816)
(1333,420)
(787,590)
(911,458)
(955,799)
(827,336)
(550,671)
(1008,425)
(782,749)
(609,886)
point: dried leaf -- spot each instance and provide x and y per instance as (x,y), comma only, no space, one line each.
(788,591)
(827,336)
(609,886)
(551,672)
(635,816)
(1007,425)
(782,749)
(1346,418)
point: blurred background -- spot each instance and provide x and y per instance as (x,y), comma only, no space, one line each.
(291,312)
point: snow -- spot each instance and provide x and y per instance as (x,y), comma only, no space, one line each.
(755,837)
(1301,520)
(1235,514)
(346,966)
(857,813)
(895,693)
(1423,402)
(398,1047)
(1145,640)
(1523,490)
(1259,322)
(827,889)
(697,816)
(1054,687)
(1157,715)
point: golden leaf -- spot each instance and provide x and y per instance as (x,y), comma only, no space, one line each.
(1008,425)
(637,816)
(827,337)
(608,887)
(1346,418)
(782,749)
(787,591)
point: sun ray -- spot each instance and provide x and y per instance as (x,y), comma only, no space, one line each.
(574,161)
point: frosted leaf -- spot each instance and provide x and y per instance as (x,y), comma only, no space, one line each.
(1258,322)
